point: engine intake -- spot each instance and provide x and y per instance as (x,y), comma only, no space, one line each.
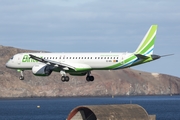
(42,70)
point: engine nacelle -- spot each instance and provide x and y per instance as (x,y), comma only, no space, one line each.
(41,70)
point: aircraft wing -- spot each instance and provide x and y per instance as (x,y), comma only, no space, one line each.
(50,62)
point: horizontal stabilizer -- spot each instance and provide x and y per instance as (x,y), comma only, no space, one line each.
(141,56)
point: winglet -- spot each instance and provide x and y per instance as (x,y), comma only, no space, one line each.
(147,45)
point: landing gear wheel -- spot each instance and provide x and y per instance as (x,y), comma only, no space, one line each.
(21,77)
(90,78)
(65,78)
(87,78)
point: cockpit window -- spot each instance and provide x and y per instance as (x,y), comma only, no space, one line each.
(12,57)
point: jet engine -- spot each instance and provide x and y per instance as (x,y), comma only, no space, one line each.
(42,70)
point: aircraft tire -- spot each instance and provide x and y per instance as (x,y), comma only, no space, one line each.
(91,78)
(88,78)
(67,78)
(21,77)
(63,78)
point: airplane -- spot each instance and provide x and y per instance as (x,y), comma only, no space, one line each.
(81,64)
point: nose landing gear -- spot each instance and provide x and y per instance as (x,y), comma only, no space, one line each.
(22,75)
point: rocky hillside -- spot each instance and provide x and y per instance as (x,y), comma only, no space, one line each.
(119,82)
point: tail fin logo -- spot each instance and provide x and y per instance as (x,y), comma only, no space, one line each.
(147,45)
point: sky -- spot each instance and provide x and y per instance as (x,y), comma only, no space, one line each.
(93,26)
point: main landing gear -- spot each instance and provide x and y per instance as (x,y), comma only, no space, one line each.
(64,78)
(89,77)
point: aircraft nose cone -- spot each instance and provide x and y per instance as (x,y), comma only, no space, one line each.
(8,65)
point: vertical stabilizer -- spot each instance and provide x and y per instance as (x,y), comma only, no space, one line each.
(147,45)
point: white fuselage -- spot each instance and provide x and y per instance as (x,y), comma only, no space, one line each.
(42,64)
(79,60)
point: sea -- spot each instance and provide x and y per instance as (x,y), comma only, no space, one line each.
(164,107)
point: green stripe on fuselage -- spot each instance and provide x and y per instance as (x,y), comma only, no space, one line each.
(126,61)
